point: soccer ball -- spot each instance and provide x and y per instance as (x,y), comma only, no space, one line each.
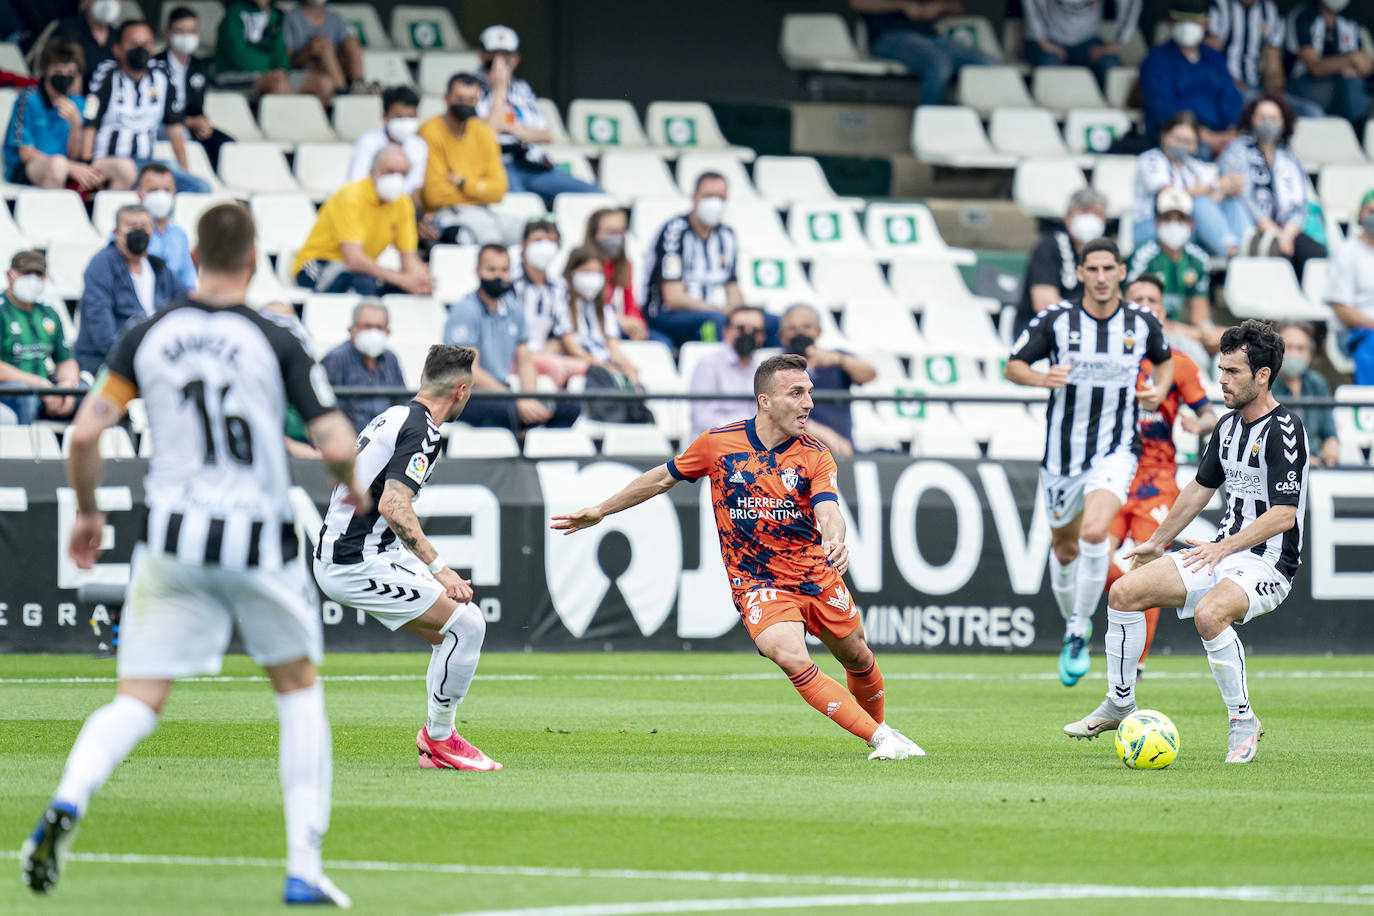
(1147,740)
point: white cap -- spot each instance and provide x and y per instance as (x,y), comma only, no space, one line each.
(1174,200)
(500,38)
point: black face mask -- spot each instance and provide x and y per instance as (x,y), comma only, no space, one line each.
(461,112)
(799,344)
(61,82)
(136,241)
(137,58)
(745,345)
(495,287)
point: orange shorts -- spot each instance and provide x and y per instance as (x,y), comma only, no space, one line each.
(832,611)
(1151,498)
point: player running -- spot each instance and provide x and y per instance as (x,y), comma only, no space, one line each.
(1259,451)
(1155,487)
(1095,348)
(380,561)
(219,545)
(782,539)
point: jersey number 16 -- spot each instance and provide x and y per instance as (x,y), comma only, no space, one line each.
(238,437)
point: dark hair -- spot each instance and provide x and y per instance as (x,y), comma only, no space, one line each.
(462,79)
(1262,344)
(620,276)
(540,225)
(61,51)
(154,168)
(226,234)
(580,256)
(763,375)
(1101,244)
(708,176)
(1178,119)
(444,361)
(492,246)
(1246,124)
(1153,279)
(179,13)
(399,95)
(128,24)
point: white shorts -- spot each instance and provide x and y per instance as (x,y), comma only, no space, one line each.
(394,587)
(178,617)
(1263,585)
(1064,493)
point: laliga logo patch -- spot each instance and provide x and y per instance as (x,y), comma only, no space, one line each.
(790,478)
(1021,341)
(417,467)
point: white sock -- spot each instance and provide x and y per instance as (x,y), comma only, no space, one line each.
(452,665)
(1093,563)
(108,736)
(1063,578)
(1227,657)
(1125,640)
(307,771)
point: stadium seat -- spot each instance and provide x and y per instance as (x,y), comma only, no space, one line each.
(12,59)
(1369,137)
(921,283)
(198,163)
(266,286)
(570,160)
(431,106)
(454,268)
(909,231)
(1354,425)
(253,168)
(974,31)
(1094,130)
(693,162)
(208,14)
(878,325)
(659,373)
(821,42)
(784,180)
(624,439)
(1121,82)
(283,220)
(772,278)
(1030,132)
(961,329)
(355,115)
(940,435)
(322,168)
(437,66)
(1062,88)
(105,205)
(752,218)
(7,96)
(558,443)
(387,68)
(953,135)
(1114,179)
(630,174)
(229,112)
(1267,288)
(494,442)
(1341,187)
(985,89)
(522,207)
(817,226)
(1326,141)
(689,125)
(650,213)
(549,109)
(28,442)
(605,122)
(49,215)
(114,444)
(363,20)
(425,28)
(1314,277)
(326,318)
(10,233)
(189,205)
(1041,187)
(67,261)
(294,119)
(839,278)
(570,212)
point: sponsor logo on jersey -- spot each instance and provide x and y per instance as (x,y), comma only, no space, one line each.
(790,478)
(417,467)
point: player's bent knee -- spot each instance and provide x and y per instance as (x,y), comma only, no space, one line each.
(1094,533)
(468,625)
(1126,595)
(1066,552)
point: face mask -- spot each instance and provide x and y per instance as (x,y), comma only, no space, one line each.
(105,11)
(745,345)
(184,43)
(371,343)
(711,210)
(137,58)
(540,253)
(1177,152)
(28,287)
(1189,34)
(1268,131)
(587,284)
(1085,227)
(402,129)
(1336,6)
(137,241)
(495,287)
(390,187)
(61,82)
(800,343)
(461,112)
(1174,234)
(1295,365)
(612,244)
(1367,224)
(158,204)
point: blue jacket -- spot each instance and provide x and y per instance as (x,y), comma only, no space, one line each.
(1170,83)
(110,303)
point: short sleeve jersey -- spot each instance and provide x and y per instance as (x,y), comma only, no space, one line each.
(1157,426)
(765,505)
(31,339)
(1188,277)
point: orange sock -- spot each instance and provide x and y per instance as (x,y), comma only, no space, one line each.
(829,698)
(867,688)
(1151,621)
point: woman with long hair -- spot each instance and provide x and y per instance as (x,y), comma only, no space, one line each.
(606,233)
(595,332)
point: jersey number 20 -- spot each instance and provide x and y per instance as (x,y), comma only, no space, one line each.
(237,436)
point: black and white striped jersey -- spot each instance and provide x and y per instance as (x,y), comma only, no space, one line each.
(1094,415)
(1245,31)
(216,383)
(703,266)
(1262,464)
(401,443)
(127,113)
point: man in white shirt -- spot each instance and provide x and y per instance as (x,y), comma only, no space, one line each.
(1350,292)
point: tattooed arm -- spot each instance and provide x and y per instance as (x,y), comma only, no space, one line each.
(395,506)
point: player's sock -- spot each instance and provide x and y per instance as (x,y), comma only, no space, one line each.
(108,736)
(1093,560)
(1064,584)
(451,667)
(1151,622)
(306,759)
(1227,657)
(1124,639)
(827,697)
(867,688)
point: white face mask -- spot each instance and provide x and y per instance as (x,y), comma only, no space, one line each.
(588,285)
(402,129)
(390,187)
(28,287)
(105,11)
(1086,227)
(184,43)
(1336,6)
(371,342)
(158,204)
(1189,34)
(1174,234)
(540,253)
(711,210)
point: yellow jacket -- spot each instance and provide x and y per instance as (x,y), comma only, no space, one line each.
(475,157)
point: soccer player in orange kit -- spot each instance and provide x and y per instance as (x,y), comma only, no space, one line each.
(782,540)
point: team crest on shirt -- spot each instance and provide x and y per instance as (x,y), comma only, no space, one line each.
(1254,449)
(417,467)
(1190,277)
(1075,337)
(49,326)
(1129,340)
(790,478)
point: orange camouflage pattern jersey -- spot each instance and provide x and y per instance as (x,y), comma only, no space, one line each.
(1158,455)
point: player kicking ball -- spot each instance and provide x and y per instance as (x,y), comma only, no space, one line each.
(782,540)
(381,562)
(1259,451)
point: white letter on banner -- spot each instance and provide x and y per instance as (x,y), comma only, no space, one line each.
(968,543)
(69,575)
(705,608)
(1026,555)
(1329,532)
(865,540)
(575,581)
(479,550)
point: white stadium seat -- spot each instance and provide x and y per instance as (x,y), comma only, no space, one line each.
(549,109)
(985,89)
(772,278)
(1094,130)
(1030,132)
(624,439)
(67,263)
(650,213)
(28,442)
(961,329)
(467,442)
(188,206)
(326,318)
(436,67)
(605,122)
(1267,288)
(322,168)
(821,42)
(909,231)
(570,212)
(197,161)
(1114,179)
(1121,82)
(252,168)
(784,180)
(229,112)
(208,15)
(752,218)
(1042,187)
(106,205)
(425,28)
(283,220)
(294,119)
(630,174)
(114,443)
(12,59)
(940,435)
(1369,137)
(387,68)
(974,31)
(658,373)
(1325,141)
(693,162)
(879,325)
(839,278)
(570,160)
(558,443)
(363,20)
(1341,187)
(817,226)
(454,268)
(49,215)
(1062,88)
(689,125)
(522,207)
(954,135)
(355,115)
(1355,425)
(922,283)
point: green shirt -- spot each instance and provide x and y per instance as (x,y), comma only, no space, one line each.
(251,40)
(1185,278)
(31,337)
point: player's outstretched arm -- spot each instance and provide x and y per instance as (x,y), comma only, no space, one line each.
(831,522)
(396,507)
(646,486)
(1190,502)
(99,411)
(333,435)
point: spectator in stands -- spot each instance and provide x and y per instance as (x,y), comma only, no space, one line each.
(43,140)
(130,98)
(190,75)
(728,369)
(548,321)
(363,361)
(830,370)
(1263,184)
(1350,293)
(123,284)
(323,45)
(1052,271)
(492,320)
(606,232)
(463,174)
(1185,272)
(1331,68)
(1175,163)
(92,28)
(1250,33)
(904,31)
(250,49)
(511,109)
(1063,32)
(595,333)
(1183,74)
(400,126)
(1297,379)
(33,350)
(157,192)
(355,226)
(692,269)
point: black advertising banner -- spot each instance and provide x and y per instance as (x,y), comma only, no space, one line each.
(944,556)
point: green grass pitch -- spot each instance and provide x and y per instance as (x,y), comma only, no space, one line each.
(701,783)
